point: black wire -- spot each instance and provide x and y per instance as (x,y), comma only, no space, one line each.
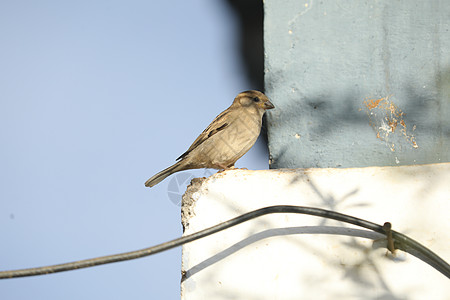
(402,242)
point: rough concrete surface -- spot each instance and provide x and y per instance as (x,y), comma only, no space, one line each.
(291,256)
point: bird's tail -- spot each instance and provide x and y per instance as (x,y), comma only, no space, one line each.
(157,178)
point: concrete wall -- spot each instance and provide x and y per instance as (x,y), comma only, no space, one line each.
(286,256)
(357,83)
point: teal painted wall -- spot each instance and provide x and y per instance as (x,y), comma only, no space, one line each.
(357,83)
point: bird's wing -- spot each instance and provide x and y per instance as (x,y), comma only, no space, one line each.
(219,124)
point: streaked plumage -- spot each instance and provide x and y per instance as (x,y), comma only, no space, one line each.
(226,139)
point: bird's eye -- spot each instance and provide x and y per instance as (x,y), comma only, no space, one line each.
(256,99)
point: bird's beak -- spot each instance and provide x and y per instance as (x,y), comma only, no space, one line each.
(268,105)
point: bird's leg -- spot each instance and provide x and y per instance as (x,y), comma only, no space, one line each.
(234,168)
(224,168)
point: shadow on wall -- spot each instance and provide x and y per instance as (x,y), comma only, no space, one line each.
(399,125)
(250,47)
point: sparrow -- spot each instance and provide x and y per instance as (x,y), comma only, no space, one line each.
(226,139)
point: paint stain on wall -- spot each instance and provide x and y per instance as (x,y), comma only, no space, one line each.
(387,119)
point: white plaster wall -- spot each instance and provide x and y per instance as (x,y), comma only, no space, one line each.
(287,256)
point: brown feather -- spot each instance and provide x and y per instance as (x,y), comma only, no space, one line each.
(217,125)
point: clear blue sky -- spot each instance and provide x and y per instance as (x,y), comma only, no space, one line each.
(95,97)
